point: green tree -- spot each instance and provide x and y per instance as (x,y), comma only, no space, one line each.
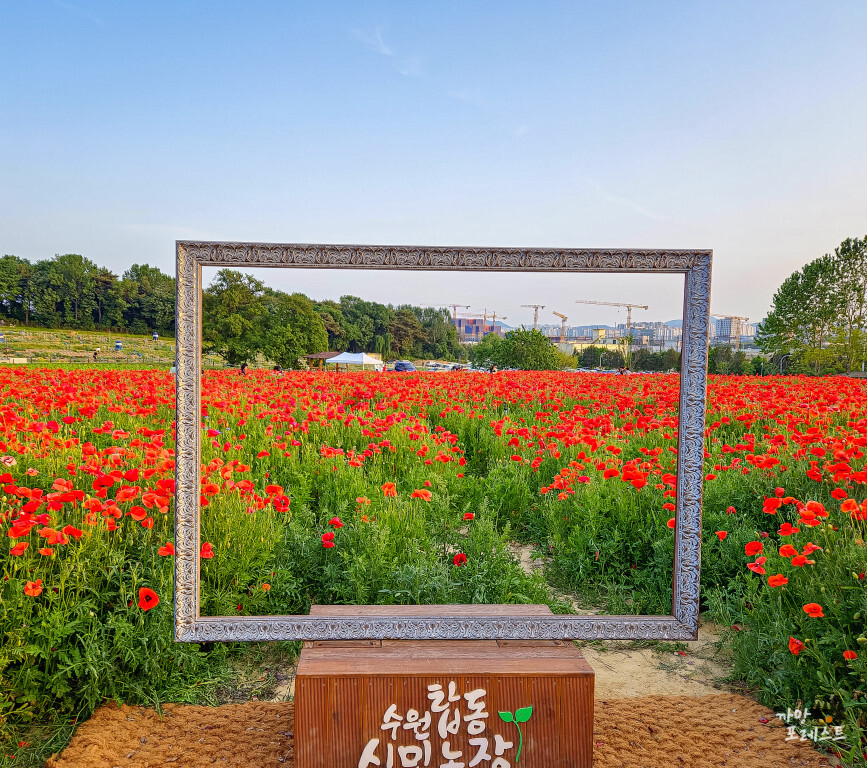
(332,319)
(290,329)
(591,356)
(527,350)
(404,329)
(233,308)
(819,313)
(77,276)
(150,295)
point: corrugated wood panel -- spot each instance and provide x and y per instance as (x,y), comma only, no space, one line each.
(343,691)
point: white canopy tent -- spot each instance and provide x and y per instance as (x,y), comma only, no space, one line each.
(355,358)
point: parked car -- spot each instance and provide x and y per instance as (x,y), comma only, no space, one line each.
(404,366)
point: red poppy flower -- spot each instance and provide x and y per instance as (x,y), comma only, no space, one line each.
(207,551)
(756,567)
(46,551)
(731,510)
(814,611)
(850,655)
(787,550)
(469,516)
(33,588)
(796,646)
(73,532)
(800,561)
(671,523)
(777,581)
(459,559)
(721,535)
(389,489)
(19,548)
(147,598)
(786,529)
(167,549)
(335,521)
(753,548)
(423,494)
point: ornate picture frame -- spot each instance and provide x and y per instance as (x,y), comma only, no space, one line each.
(681,624)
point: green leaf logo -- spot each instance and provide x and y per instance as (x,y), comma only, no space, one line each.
(521,715)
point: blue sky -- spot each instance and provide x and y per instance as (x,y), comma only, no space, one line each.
(737,126)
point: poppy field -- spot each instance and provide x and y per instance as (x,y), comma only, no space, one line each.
(392,488)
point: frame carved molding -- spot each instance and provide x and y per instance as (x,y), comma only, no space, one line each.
(682,624)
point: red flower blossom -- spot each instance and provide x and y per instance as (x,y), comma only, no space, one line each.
(753,548)
(335,521)
(787,550)
(422,494)
(777,581)
(671,523)
(389,489)
(796,646)
(849,655)
(328,539)
(147,598)
(459,559)
(469,516)
(814,611)
(33,588)
(721,535)
(167,549)
(799,561)
(19,548)
(756,567)
(207,551)
(786,529)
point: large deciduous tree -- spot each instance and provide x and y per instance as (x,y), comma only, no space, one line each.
(232,321)
(819,313)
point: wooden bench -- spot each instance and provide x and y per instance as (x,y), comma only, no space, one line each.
(442,703)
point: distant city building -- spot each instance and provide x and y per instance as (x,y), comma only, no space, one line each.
(472,330)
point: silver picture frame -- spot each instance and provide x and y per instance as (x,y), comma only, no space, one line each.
(681,624)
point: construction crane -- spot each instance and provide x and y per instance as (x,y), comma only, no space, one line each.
(629,308)
(536,307)
(454,308)
(735,325)
(563,319)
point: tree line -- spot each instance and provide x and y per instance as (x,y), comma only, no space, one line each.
(71,291)
(242,318)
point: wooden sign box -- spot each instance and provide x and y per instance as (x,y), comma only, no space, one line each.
(445,704)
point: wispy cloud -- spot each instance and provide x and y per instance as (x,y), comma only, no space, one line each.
(373,40)
(410,67)
(639,209)
(79,12)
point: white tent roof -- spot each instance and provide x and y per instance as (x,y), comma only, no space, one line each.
(354,358)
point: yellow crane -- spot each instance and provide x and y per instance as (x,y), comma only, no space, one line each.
(536,307)
(735,328)
(563,320)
